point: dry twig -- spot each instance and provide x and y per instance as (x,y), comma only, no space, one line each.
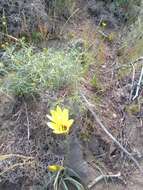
(103,177)
(138,85)
(133,79)
(28,123)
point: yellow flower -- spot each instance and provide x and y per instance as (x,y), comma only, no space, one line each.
(55,168)
(104,24)
(60,122)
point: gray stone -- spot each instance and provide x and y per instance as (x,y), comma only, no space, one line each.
(76,161)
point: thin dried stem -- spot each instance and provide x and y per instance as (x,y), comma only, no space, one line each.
(133,80)
(6,156)
(28,123)
(138,85)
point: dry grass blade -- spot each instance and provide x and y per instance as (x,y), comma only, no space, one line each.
(138,85)
(68,20)
(28,123)
(6,156)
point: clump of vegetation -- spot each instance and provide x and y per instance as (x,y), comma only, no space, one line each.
(29,73)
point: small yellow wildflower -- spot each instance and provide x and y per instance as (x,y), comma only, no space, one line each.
(55,168)
(60,122)
(104,24)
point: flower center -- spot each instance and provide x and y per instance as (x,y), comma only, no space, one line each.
(64,128)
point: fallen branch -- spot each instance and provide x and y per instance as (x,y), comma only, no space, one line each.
(103,177)
(88,105)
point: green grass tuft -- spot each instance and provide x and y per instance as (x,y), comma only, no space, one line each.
(29,73)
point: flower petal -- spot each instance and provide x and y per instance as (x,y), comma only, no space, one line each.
(70,122)
(66,114)
(59,110)
(50,125)
(49,117)
(53,126)
(53,113)
(55,168)
(60,131)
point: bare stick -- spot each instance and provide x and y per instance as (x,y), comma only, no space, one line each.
(138,85)
(88,105)
(103,34)
(28,130)
(133,79)
(102,177)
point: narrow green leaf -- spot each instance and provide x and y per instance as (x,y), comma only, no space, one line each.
(73,172)
(74,182)
(56,181)
(64,184)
